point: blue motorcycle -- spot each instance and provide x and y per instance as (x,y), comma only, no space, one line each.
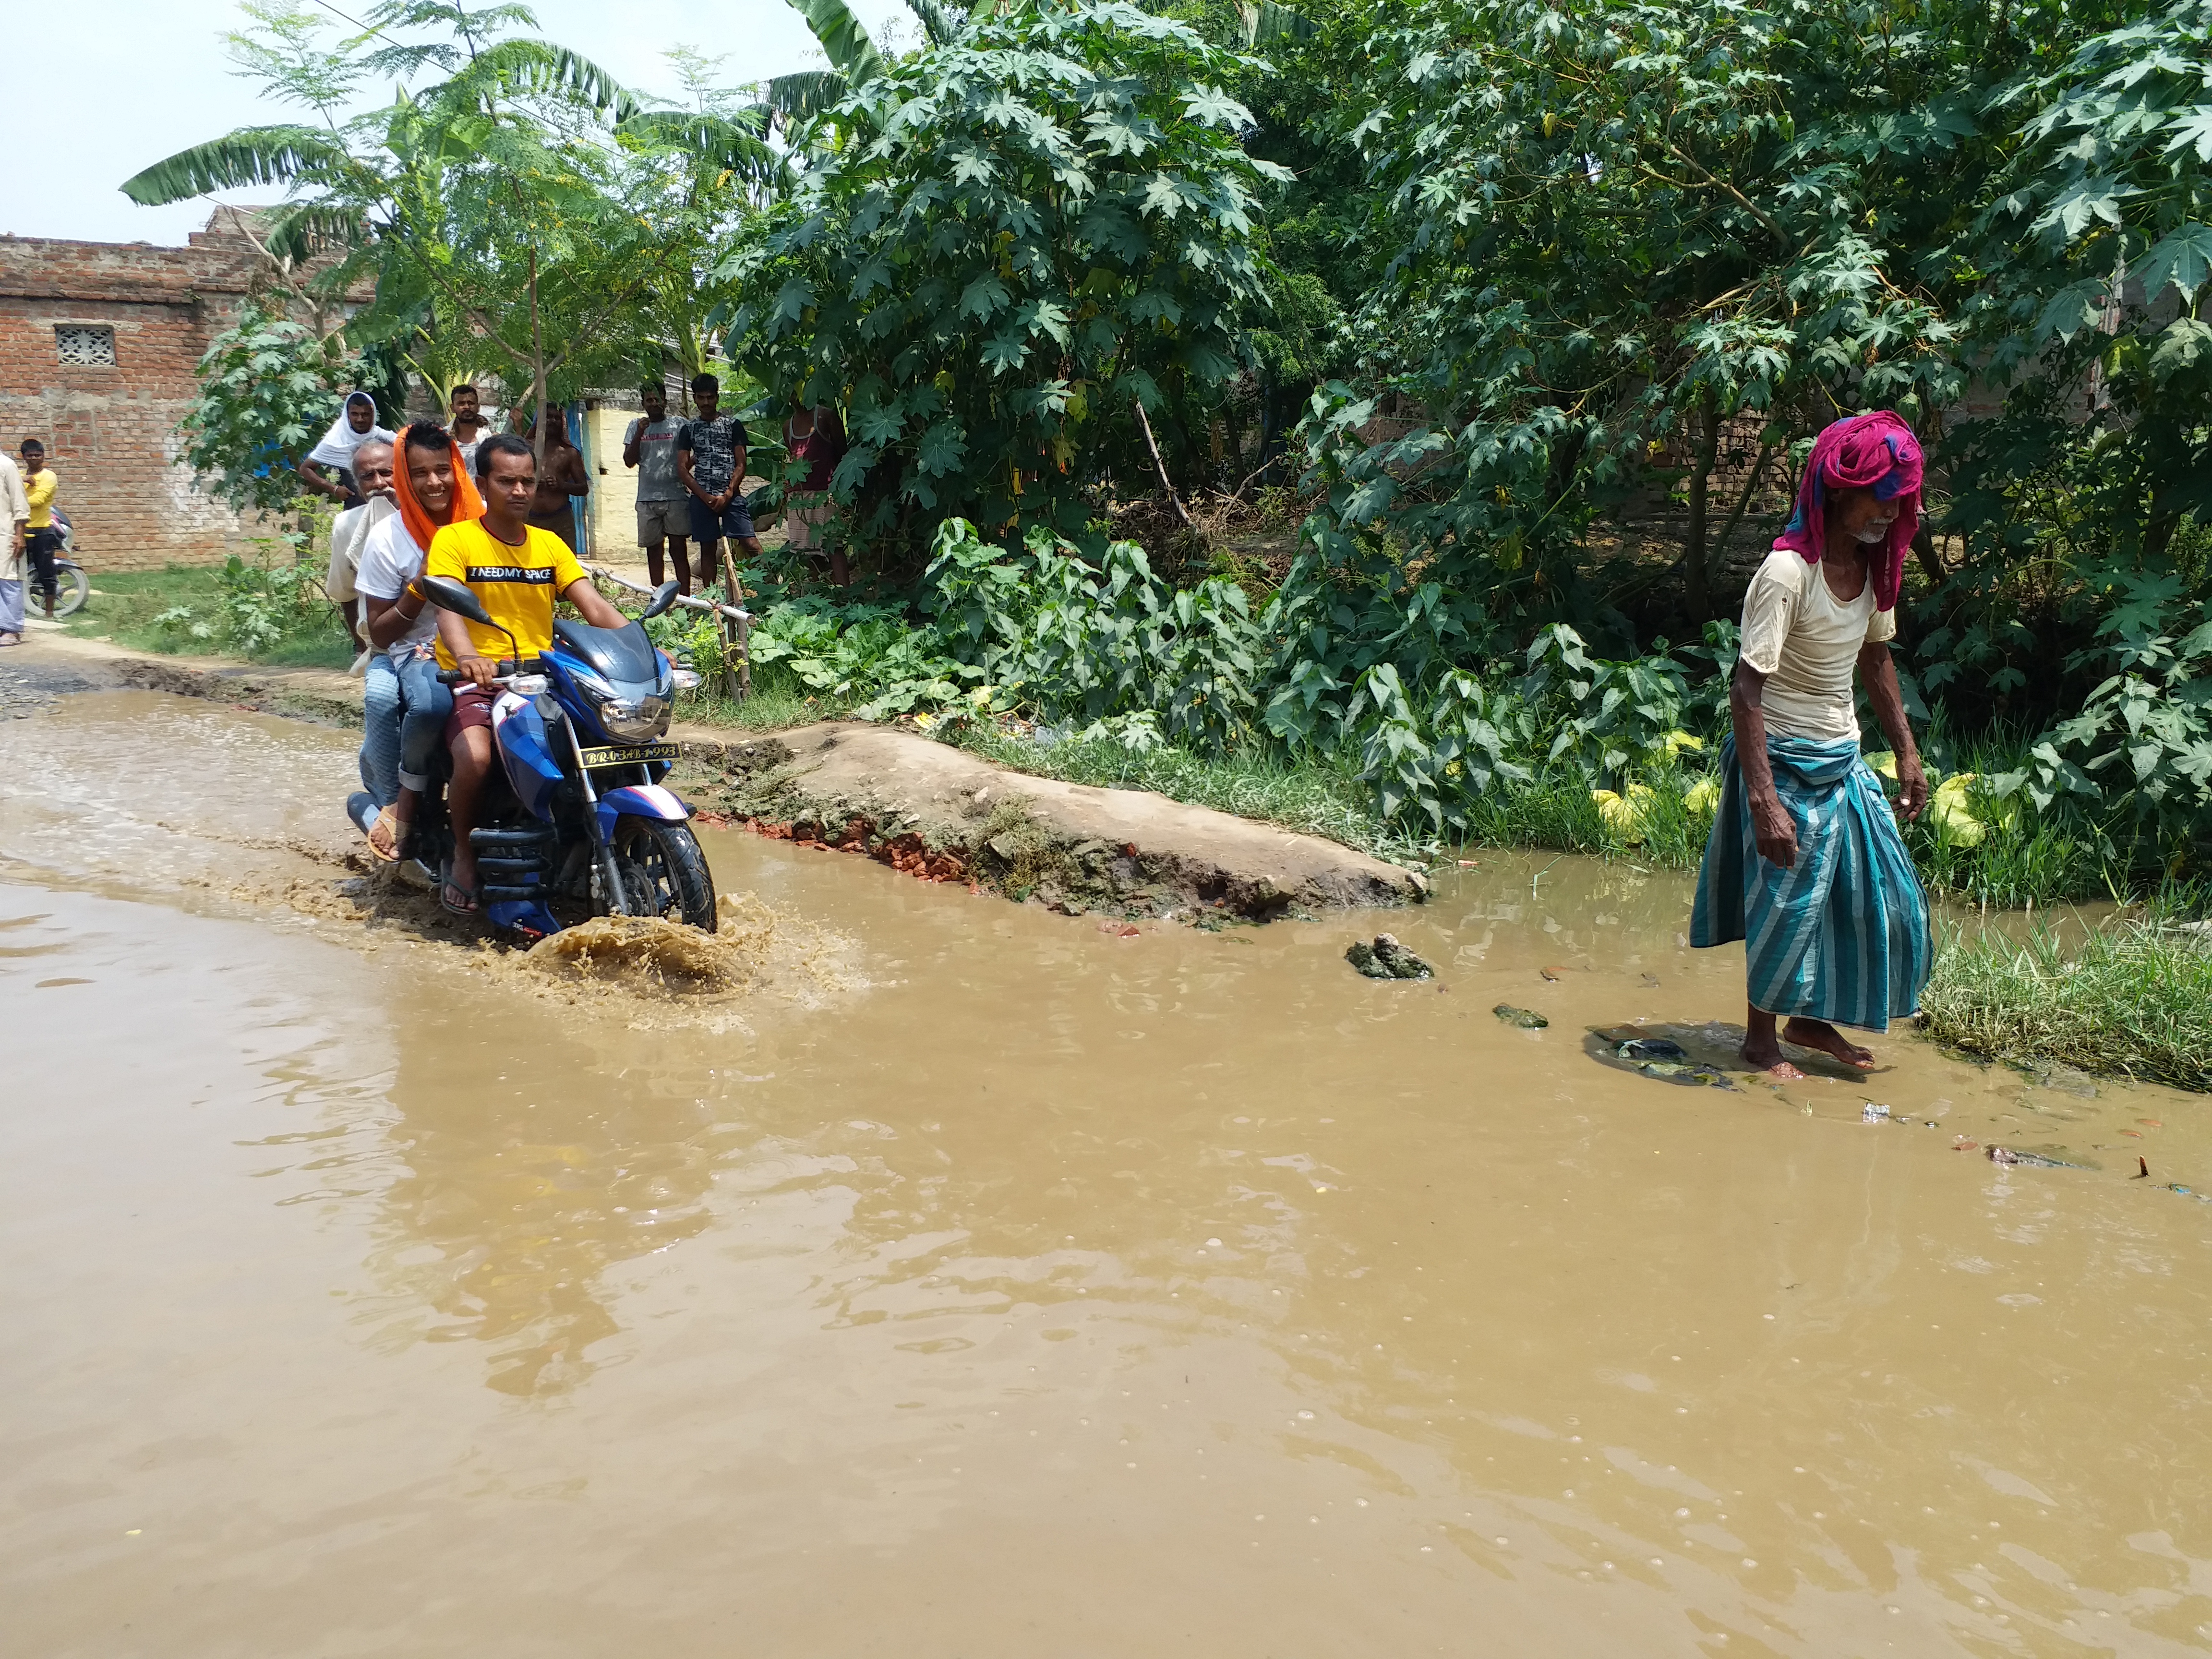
(575,818)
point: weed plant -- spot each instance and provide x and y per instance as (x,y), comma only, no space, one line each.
(2134,998)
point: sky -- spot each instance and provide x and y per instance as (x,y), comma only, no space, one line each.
(153,79)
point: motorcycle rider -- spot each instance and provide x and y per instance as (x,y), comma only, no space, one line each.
(517,572)
(433,490)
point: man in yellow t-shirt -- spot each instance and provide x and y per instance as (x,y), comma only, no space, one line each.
(41,540)
(517,572)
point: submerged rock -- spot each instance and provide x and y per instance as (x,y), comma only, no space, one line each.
(1388,959)
(1527,1020)
(2002,1155)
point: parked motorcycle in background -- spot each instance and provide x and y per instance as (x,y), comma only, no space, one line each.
(72,587)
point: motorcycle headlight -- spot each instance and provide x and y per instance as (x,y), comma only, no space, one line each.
(626,719)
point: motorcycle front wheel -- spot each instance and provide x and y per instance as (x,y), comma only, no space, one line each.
(664,874)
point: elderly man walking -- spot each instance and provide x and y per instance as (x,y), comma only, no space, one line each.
(1804,864)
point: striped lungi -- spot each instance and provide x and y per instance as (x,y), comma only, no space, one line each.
(1843,934)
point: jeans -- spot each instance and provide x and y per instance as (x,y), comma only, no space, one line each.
(427,704)
(380,729)
(11,607)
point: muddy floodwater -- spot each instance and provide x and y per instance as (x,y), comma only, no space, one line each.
(975,1281)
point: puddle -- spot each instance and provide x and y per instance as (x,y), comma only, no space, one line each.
(913,1269)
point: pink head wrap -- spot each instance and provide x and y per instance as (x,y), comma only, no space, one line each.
(1875,452)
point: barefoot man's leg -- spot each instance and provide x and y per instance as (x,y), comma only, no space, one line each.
(1762,1051)
(471,765)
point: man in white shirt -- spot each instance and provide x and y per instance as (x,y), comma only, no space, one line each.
(372,473)
(15,513)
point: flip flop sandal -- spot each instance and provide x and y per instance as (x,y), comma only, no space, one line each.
(470,897)
(388,821)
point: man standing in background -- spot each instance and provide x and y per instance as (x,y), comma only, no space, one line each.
(44,541)
(710,459)
(371,474)
(468,425)
(663,503)
(15,512)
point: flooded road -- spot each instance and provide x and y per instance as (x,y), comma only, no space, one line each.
(988,1285)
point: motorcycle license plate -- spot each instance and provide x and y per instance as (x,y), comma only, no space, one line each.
(632,755)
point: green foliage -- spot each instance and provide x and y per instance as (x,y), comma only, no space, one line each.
(2138,756)
(269,609)
(508,223)
(2134,998)
(1008,242)
(269,387)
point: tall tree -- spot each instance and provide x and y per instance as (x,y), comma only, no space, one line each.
(500,218)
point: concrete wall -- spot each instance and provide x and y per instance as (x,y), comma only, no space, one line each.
(110,431)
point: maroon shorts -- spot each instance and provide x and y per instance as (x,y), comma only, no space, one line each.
(471,707)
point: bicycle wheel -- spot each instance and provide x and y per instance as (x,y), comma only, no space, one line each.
(72,588)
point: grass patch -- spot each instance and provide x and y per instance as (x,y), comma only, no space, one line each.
(155,610)
(1314,799)
(779,701)
(124,603)
(2133,1000)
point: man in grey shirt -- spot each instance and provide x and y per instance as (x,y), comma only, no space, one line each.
(663,504)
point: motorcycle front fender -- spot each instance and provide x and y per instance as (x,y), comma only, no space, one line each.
(647,801)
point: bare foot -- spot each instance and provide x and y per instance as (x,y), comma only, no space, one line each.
(1818,1034)
(1767,1057)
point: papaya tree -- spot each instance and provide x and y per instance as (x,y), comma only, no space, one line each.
(1013,254)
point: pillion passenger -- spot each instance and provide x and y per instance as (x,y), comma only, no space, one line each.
(405,705)
(517,572)
(372,476)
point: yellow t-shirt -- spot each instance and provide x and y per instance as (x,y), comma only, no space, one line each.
(518,584)
(39,489)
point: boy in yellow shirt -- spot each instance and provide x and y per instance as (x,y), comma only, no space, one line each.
(42,541)
(519,572)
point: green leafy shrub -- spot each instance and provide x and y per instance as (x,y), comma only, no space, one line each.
(1009,242)
(268,389)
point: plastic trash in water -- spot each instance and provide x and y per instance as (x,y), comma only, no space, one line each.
(1871,1113)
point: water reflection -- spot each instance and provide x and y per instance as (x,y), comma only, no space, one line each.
(526,1173)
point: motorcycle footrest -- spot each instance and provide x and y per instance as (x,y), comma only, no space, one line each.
(499,867)
(492,892)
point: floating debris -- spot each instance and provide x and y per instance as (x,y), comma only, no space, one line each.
(1643,1048)
(1527,1019)
(2006,1155)
(1692,1072)
(1870,1113)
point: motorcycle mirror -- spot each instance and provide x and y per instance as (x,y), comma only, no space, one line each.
(449,595)
(663,597)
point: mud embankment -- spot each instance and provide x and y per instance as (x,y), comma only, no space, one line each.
(946,815)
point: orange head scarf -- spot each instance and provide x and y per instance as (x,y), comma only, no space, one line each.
(467,503)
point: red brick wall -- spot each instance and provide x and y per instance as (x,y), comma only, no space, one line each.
(111,433)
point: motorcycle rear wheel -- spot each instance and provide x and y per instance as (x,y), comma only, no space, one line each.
(664,874)
(72,589)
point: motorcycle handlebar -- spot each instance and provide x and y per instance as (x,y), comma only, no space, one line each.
(507,668)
